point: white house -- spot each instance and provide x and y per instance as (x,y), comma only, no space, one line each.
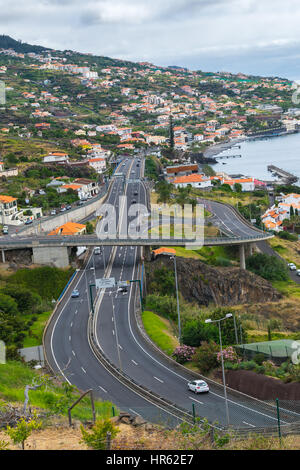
(99,164)
(195,180)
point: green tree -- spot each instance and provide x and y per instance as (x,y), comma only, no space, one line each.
(268,267)
(238,187)
(195,331)
(20,433)
(206,356)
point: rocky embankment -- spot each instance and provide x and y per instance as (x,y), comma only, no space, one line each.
(204,284)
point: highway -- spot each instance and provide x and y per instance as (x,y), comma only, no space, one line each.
(118,336)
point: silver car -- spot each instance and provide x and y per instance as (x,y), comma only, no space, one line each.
(198,386)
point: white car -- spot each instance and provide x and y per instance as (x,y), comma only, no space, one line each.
(298,272)
(198,386)
(293,267)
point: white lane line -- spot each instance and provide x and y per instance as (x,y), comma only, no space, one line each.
(130,409)
(73,353)
(71,325)
(76,312)
(83,370)
(120,347)
(161,381)
(103,389)
(69,338)
(252,425)
(135,363)
(113,331)
(253,410)
(194,399)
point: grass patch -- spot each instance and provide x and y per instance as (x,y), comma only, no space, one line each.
(35,335)
(288,250)
(160,331)
(287,288)
(14,376)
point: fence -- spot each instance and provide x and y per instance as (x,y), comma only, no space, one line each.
(277,351)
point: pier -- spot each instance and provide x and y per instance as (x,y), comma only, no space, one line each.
(288,177)
(228,156)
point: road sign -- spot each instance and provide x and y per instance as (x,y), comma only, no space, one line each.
(133,181)
(105,283)
(123,283)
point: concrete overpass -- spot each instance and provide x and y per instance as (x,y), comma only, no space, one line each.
(55,249)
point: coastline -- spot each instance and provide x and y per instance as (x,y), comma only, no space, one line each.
(215,149)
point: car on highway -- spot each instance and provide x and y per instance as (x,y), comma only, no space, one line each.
(69,207)
(80,203)
(292,267)
(198,386)
(298,272)
(133,201)
(28,222)
(53,212)
(123,290)
(135,193)
(97,251)
(63,209)
(75,294)
(5,230)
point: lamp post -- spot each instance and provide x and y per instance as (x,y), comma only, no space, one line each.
(229,315)
(177,298)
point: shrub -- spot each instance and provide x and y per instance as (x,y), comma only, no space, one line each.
(206,356)
(20,433)
(259,358)
(288,236)
(195,331)
(163,305)
(96,438)
(229,355)
(268,267)
(183,354)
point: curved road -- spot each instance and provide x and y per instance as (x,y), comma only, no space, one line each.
(117,334)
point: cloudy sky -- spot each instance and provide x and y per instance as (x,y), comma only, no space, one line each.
(253,36)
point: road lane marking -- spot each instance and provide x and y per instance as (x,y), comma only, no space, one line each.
(161,381)
(103,389)
(83,370)
(130,409)
(194,399)
(252,425)
(135,363)
(73,353)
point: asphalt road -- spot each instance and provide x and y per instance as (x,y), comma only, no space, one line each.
(117,334)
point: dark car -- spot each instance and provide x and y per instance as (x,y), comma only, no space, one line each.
(135,193)
(133,201)
(80,203)
(68,208)
(28,222)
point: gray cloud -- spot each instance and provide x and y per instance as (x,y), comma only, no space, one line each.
(238,35)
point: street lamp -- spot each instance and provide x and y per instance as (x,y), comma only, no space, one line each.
(177,298)
(229,315)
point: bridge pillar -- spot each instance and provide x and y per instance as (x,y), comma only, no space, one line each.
(242,256)
(51,256)
(3,256)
